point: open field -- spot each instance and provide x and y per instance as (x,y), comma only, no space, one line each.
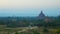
(26,30)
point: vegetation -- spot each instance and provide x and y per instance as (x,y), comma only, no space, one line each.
(17,25)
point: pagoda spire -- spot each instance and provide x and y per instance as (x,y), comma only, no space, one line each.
(41,12)
(41,15)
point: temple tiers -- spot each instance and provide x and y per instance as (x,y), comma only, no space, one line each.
(41,16)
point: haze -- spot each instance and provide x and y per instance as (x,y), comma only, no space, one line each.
(29,7)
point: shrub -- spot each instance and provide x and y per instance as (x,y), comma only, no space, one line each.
(58,32)
(16,33)
(45,30)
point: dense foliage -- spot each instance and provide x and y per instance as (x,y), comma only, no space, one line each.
(24,22)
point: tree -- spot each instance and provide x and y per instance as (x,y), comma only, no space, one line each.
(45,30)
(16,33)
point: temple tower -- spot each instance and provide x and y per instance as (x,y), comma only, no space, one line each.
(41,16)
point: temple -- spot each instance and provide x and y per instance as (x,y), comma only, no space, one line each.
(41,16)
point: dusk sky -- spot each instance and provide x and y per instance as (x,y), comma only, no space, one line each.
(29,7)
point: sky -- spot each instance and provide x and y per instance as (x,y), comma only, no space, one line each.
(29,7)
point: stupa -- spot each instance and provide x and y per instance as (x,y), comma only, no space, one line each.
(41,16)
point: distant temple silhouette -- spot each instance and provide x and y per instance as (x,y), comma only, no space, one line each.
(41,16)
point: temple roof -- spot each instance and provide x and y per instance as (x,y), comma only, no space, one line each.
(41,14)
